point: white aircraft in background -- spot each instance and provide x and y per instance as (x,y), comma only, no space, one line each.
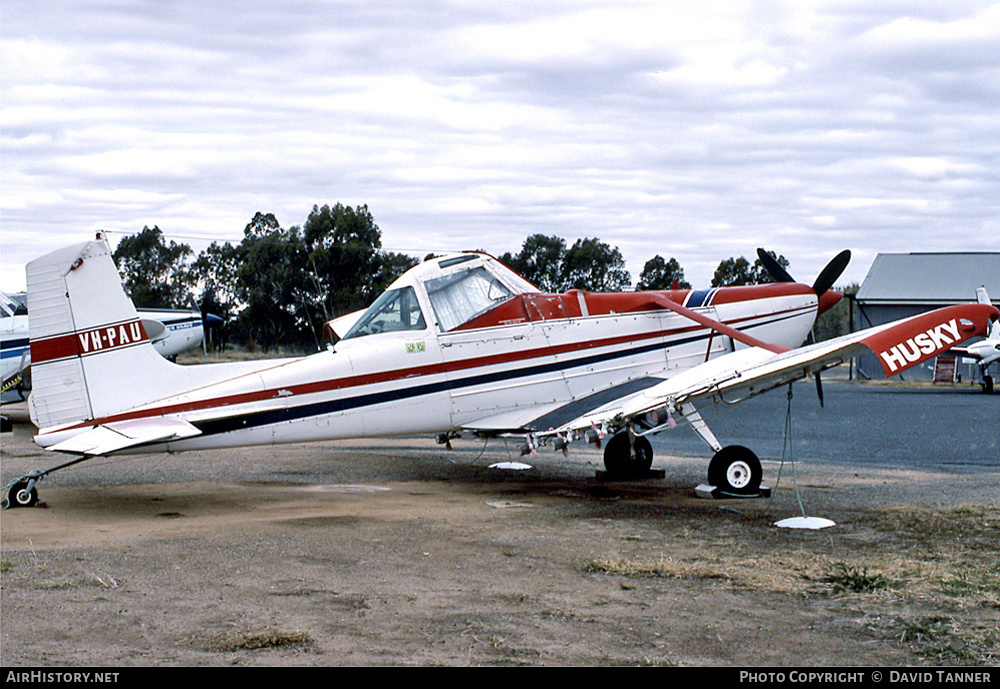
(14,351)
(171,332)
(984,352)
(459,343)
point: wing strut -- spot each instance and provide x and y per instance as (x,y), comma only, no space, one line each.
(700,427)
(716,326)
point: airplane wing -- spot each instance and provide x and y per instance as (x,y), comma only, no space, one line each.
(746,373)
(977,355)
(979,349)
(743,374)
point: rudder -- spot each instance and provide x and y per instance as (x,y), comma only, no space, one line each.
(89,350)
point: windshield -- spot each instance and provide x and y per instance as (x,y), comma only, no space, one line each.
(12,306)
(394,311)
(459,297)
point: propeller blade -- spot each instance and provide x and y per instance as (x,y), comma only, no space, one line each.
(819,388)
(831,272)
(772,266)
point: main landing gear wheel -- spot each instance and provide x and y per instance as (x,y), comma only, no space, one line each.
(735,470)
(988,384)
(625,457)
(20,495)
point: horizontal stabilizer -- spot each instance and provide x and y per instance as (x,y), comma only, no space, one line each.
(120,435)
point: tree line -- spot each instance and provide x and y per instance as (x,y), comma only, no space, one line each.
(278,286)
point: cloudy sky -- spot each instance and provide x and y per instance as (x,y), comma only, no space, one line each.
(697,131)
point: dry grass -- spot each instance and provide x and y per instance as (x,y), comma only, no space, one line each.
(941,525)
(266,638)
(936,552)
(660,567)
(783,573)
(934,573)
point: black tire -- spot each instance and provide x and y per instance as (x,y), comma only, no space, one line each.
(988,384)
(20,496)
(623,458)
(735,470)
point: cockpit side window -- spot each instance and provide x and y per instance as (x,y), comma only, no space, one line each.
(396,310)
(459,297)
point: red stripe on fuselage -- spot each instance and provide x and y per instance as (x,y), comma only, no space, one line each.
(414,372)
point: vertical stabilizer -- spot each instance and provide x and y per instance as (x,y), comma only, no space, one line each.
(983,298)
(89,351)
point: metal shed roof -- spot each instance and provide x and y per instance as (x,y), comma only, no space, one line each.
(931,278)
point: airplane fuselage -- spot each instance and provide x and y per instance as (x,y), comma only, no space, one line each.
(529,357)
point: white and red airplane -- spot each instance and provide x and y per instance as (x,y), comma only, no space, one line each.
(985,352)
(458,344)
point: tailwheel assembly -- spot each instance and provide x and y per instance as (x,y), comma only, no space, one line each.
(21,493)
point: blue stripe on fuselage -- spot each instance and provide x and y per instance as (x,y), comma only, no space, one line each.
(699,297)
(265,418)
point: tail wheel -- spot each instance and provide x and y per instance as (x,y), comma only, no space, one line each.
(735,470)
(628,457)
(19,495)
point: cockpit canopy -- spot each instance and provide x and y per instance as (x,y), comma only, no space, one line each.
(446,291)
(460,297)
(394,311)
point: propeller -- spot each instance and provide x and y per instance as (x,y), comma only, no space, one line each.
(207,320)
(824,281)
(772,266)
(830,274)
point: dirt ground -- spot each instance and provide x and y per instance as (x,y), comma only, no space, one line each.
(404,553)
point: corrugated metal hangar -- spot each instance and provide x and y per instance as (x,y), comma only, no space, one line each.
(902,285)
